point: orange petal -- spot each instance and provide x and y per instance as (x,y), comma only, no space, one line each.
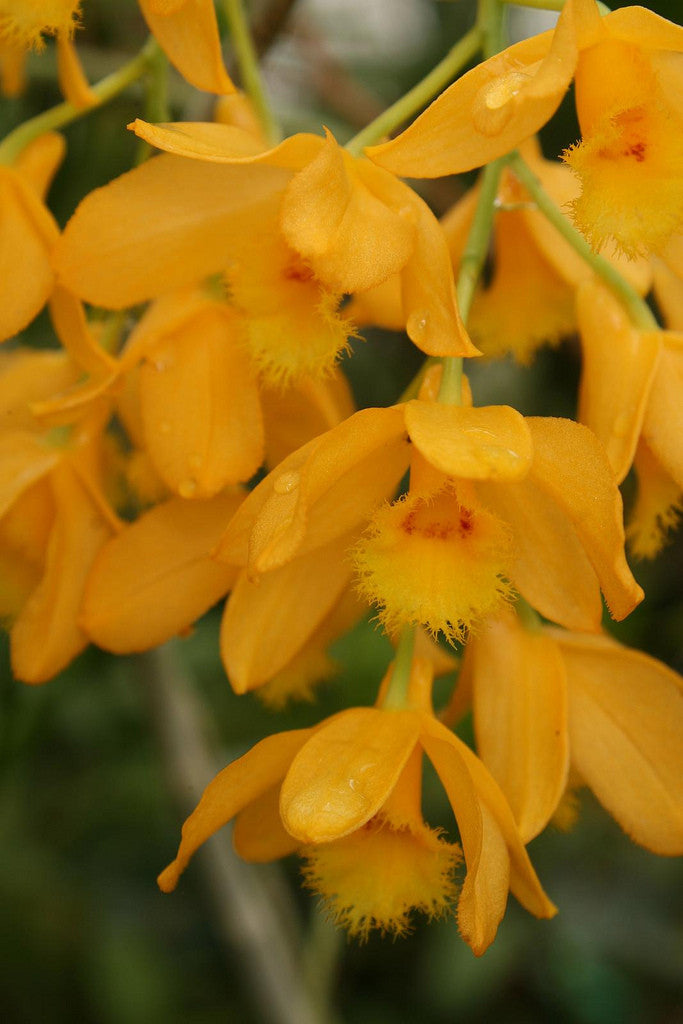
(520,715)
(156,577)
(72,81)
(625,726)
(39,161)
(489,443)
(293,417)
(345,772)
(663,423)
(286,606)
(571,466)
(321,491)
(166,224)
(23,461)
(27,232)
(233,789)
(259,835)
(524,882)
(29,376)
(46,635)
(188,34)
(494,107)
(71,327)
(336,221)
(200,406)
(619,364)
(227,144)
(551,569)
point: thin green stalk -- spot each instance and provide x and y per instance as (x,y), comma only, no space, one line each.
(397,692)
(64,113)
(491,18)
(156,100)
(471,266)
(550,5)
(419,96)
(638,310)
(250,71)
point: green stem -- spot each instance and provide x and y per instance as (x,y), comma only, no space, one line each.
(156,100)
(550,5)
(419,96)
(638,310)
(64,113)
(250,71)
(397,692)
(471,266)
(491,17)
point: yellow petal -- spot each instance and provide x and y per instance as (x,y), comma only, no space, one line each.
(551,569)
(46,635)
(571,466)
(227,144)
(200,406)
(489,443)
(188,35)
(619,364)
(293,417)
(625,724)
(668,287)
(663,421)
(520,716)
(23,461)
(259,835)
(29,376)
(70,74)
(492,108)
(166,224)
(268,620)
(656,510)
(432,318)
(156,577)
(233,789)
(39,160)
(345,772)
(27,232)
(321,491)
(71,327)
(336,221)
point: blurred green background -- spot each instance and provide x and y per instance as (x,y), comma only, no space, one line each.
(89,812)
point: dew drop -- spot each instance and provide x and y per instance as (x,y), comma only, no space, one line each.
(417,323)
(164,427)
(286,482)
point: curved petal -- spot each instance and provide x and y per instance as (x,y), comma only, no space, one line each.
(156,577)
(320,492)
(164,225)
(233,789)
(188,35)
(619,364)
(27,232)
(29,376)
(350,238)
(494,107)
(344,774)
(625,727)
(200,406)
(71,77)
(551,569)
(571,466)
(71,327)
(39,161)
(227,144)
(46,635)
(488,443)
(286,605)
(259,835)
(23,461)
(663,422)
(293,417)
(520,718)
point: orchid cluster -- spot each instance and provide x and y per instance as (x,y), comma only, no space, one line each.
(192,437)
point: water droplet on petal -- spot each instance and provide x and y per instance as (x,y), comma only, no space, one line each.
(417,324)
(164,427)
(285,483)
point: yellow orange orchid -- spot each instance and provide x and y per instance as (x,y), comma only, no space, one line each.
(630,157)
(501,499)
(349,796)
(545,699)
(528,254)
(187,32)
(293,229)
